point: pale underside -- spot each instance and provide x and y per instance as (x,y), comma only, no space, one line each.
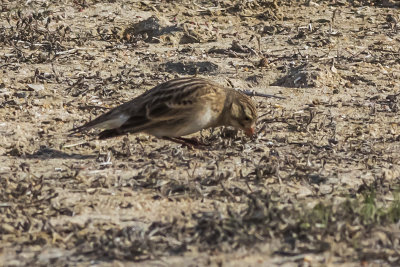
(203,118)
(113,123)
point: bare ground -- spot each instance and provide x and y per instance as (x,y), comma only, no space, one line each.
(318,186)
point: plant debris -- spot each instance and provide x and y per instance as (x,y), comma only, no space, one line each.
(318,185)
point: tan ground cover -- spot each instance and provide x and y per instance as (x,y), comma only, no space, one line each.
(318,185)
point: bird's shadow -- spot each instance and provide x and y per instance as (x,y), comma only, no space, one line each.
(50,153)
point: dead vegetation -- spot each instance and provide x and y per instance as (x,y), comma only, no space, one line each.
(318,185)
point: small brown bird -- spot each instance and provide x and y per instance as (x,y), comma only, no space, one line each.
(177,108)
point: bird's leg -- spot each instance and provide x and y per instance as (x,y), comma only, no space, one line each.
(189,142)
(179,141)
(194,141)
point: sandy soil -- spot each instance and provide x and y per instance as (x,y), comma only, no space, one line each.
(318,186)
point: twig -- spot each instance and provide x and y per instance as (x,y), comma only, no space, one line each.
(208,8)
(92,107)
(75,144)
(66,52)
(254,93)
(226,191)
(54,71)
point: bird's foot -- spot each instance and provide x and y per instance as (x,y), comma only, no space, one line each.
(194,141)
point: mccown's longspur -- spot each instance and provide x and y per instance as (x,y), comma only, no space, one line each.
(177,108)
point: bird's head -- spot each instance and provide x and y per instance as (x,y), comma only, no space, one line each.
(243,114)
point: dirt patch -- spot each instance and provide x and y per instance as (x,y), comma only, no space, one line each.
(319,185)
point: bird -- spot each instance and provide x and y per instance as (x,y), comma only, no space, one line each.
(177,108)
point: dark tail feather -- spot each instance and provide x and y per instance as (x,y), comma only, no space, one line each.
(109,134)
(79,129)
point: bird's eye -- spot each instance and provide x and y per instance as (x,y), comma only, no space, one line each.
(247,119)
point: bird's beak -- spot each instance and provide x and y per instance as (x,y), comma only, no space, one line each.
(250,131)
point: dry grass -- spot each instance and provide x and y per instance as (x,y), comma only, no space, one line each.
(319,185)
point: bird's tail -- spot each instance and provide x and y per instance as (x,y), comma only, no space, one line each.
(106,134)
